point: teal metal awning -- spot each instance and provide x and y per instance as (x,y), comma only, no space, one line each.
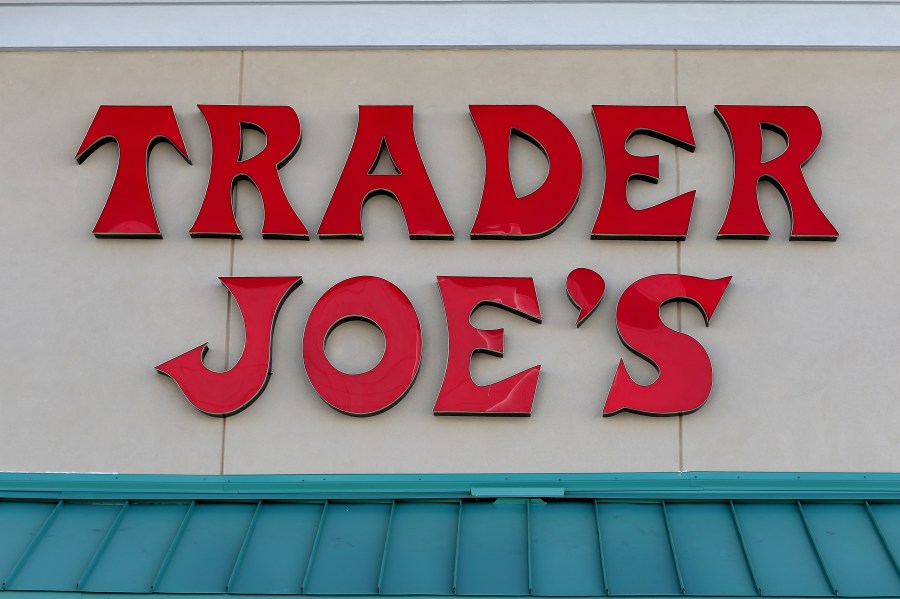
(700,535)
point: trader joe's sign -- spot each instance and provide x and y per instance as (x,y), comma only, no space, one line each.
(685,371)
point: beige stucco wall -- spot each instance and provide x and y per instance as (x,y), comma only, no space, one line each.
(803,343)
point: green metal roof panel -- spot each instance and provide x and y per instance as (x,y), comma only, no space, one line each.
(19,523)
(493,557)
(636,549)
(341,544)
(886,519)
(348,552)
(779,550)
(851,549)
(424,534)
(710,553)
(565,549)
(135,549)
(277,552)
(66,543)
(205,548)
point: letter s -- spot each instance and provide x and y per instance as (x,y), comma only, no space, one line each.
(685,372)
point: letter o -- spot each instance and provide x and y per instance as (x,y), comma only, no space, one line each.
(383,304)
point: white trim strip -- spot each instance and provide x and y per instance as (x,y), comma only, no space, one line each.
(228,24)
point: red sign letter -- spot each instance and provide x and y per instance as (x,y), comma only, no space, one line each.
(136,129)
(459,394)
(800,128)
(384,305)
(389,127)
(281,127)
(226,393)
(685,373)
(502,213)
(617,219)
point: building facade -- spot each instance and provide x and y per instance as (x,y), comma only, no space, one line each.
(781,480)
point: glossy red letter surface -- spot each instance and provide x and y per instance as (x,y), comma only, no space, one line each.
(800,128)
(136,129)
(384,305)
(502,213)
(281,127)
(459,394)
(226,393)
(685,372)
(617,219)
(585,290)
(390,127)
